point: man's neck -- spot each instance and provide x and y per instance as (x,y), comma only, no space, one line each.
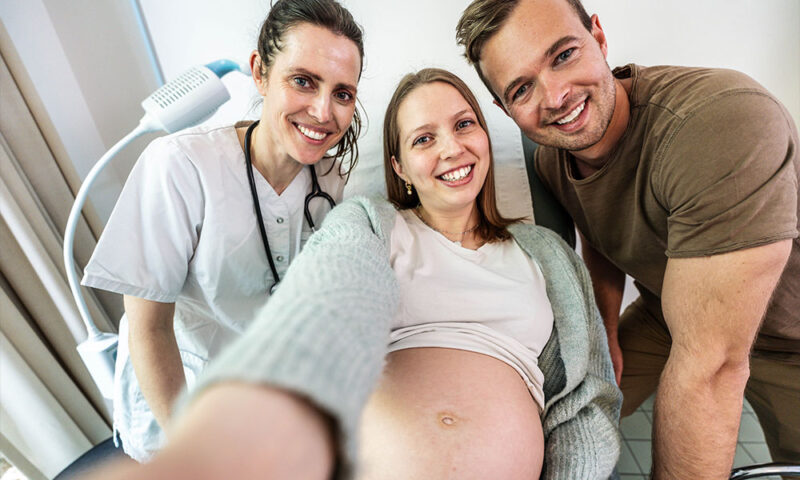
(592,159)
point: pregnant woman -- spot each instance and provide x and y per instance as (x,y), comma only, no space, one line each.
(463,390)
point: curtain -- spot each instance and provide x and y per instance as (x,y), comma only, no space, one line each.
(50,410)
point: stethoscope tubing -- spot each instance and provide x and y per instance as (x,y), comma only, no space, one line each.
(315,192)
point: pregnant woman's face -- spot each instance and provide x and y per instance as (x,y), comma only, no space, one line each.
(444,152)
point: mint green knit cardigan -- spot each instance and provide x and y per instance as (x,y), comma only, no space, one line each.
(324,334)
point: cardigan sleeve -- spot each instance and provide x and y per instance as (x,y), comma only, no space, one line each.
(324,333)
(581,417)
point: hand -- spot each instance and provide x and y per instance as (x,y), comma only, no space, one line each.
(616,356)
(242,431)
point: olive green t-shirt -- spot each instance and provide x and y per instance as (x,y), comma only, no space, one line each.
(708,164)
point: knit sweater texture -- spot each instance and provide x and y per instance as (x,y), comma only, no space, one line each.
(324,335)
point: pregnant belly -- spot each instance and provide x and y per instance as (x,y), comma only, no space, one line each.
(442,413)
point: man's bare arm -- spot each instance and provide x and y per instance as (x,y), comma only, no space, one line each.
(608,283)
(713,307)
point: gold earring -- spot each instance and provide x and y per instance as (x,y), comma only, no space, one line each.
(408,188)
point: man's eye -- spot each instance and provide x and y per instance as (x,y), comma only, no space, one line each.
(563,56)
(301,81)
(422,140)
(520,92)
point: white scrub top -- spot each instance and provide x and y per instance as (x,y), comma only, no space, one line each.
(184,230)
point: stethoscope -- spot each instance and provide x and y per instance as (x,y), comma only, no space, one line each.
(315,192)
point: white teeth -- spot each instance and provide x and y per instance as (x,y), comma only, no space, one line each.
(456,175)
(311,133)
(573,115)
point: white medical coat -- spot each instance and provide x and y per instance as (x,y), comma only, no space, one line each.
(184,230)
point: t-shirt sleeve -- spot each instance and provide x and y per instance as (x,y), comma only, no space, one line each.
(146,247)
(728,177)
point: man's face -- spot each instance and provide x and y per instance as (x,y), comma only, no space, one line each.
(551,74)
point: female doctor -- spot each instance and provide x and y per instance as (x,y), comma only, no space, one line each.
(210,218)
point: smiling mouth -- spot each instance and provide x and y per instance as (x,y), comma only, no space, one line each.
(571,116)
(457,174)
(312,134)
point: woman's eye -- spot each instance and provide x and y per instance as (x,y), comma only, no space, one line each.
(422,140)
(344,96)
(465,124)
(563,56)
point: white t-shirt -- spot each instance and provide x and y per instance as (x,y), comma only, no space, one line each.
(491,300)
(184,230)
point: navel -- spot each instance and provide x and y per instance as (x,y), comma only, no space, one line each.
(447,419)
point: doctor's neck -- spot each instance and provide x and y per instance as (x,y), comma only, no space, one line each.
(272,161)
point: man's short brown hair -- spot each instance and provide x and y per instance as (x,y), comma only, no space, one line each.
(483,18)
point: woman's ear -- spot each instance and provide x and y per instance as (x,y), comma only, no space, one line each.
(259,77)
(398,169)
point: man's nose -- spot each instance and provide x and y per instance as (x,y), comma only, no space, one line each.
(554,90)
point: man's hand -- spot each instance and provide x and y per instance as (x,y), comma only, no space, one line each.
(608,283)
(713,307)
(616,355)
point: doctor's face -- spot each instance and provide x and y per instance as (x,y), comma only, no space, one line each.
(551,74)
(309,92)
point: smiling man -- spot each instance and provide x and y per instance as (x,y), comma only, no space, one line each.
(687,180)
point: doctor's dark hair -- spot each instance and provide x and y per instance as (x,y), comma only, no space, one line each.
(330,14)
(491,225)
(483,18)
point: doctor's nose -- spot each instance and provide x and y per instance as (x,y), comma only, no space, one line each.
(320,108)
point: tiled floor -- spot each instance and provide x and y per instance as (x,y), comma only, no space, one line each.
(635,461)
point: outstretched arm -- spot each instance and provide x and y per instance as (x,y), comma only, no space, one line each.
(713,307)
(241,431)
(309,360)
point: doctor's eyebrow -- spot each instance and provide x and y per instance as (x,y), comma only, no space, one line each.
(317,78)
